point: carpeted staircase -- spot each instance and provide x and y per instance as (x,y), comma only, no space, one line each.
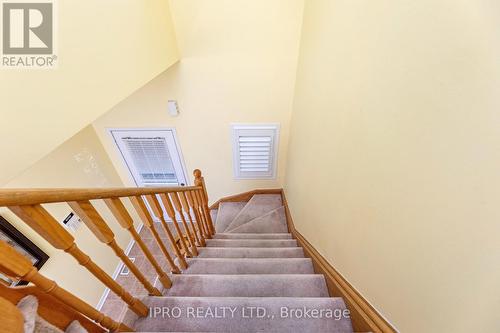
(251,277)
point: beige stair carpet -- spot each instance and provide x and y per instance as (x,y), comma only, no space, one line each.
(226,214)
(272,222)
(258,265)
(257,206)
(252,236)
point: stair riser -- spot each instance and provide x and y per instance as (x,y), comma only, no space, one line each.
(251,243)
(252,236)
(238,252)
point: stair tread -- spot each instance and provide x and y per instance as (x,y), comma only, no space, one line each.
(251,243)
(236,235)
(248,285)
(251,252)
(274,319)
(249,266)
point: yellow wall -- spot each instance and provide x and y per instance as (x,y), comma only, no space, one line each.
(79,162)
(393,167)
(106,50)
(238,65)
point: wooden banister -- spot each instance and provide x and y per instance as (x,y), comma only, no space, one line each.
(121,214)
(178,207)
(187,203)
(142,210)
(158,212)
(196,211)
(201,211)
(91,217)
(199,181)
(186,210)
(11,318)
(13,264)
(192,207)
(23,197)
(171,213)
(42,222)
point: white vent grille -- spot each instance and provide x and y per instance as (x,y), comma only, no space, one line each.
(255,151)
(152,156)
(152,160)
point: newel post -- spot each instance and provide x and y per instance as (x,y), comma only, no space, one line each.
(200,181)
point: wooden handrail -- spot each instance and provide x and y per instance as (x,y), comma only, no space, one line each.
(11,318)
(177,202)
(50,308)
(22,197)
(13,264)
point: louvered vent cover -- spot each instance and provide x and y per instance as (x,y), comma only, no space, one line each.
(255,151)
(151,159)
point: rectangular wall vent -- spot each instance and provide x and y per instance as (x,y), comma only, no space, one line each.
(152,156)
(151,159)
(255,151)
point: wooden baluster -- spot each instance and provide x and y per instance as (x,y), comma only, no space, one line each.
(199,216)
(200,181)
(171,213)
(192,205)
(46,226)
(142,210)
(186,210)
(11,318)
(202,211)
(94,221)
(16,265)
(197,198)
(121,214)
(177,206)
(158,211)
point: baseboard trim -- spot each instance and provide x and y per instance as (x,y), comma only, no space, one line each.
(365,318)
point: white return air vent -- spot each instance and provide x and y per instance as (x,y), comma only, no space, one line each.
(255,151)
(152,156)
